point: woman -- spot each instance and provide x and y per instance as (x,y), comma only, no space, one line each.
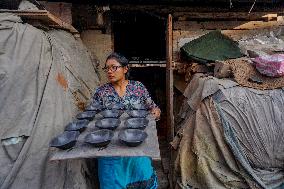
(124,172)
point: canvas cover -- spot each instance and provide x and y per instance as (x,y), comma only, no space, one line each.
(232,137)
(45,77)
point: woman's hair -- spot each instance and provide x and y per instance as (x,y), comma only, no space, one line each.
(122,60)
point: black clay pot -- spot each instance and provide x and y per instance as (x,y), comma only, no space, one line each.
(111,113)
(94,107)
(89,115)
(132,137)
(138,113)
(65,140)
(77,125)
(108,123)
(99,138)
(136,123)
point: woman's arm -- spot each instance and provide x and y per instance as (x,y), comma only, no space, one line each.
(149,103)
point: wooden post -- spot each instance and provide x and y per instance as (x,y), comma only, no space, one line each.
(169,93)
(169,79)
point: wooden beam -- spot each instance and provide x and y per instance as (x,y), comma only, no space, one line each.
(226,25)
(265,16)
(169,79)
(168,9)
(43,16)
(146,65)
(170,92)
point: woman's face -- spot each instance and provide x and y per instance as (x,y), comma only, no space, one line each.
(115,72)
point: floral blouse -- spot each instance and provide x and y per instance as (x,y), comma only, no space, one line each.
(136,96)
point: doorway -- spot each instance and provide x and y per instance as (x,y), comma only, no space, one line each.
(154,80)
(141,37)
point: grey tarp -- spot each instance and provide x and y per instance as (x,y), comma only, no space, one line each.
(44,77)
(201,87)
(253,122)
(246,151)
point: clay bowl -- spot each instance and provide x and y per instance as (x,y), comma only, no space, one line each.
(108,123)
(111,113)
(65,140)
(117,107)
(99,138)
(88,115)
(138,113)
(77,125)
(132,137)
(94,107)
(136,123)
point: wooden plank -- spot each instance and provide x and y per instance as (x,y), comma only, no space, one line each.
(166,9)
(239,34)
(24,12)
(150,147)
(45,17)
(226,25)
(170,90)
(226,15)
(60,24)
(169,79)
(207,25)
(146,65)
(177,35)
(251,25)
(186,25)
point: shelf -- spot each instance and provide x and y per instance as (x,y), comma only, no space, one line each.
(45,17)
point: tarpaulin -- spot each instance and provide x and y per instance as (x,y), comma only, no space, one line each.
(44,77)
(253,128)
(233,137)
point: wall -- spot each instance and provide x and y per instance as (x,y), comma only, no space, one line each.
(96,35)
(100,46)
(59,9)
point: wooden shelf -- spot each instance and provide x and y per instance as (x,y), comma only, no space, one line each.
(263,16)
(45,17)
(146,65)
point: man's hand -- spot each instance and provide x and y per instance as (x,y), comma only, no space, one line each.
(156,112)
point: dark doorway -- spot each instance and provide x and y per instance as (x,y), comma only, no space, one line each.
(154,79)
(139,36)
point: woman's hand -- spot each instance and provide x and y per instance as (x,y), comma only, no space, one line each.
(156,112)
